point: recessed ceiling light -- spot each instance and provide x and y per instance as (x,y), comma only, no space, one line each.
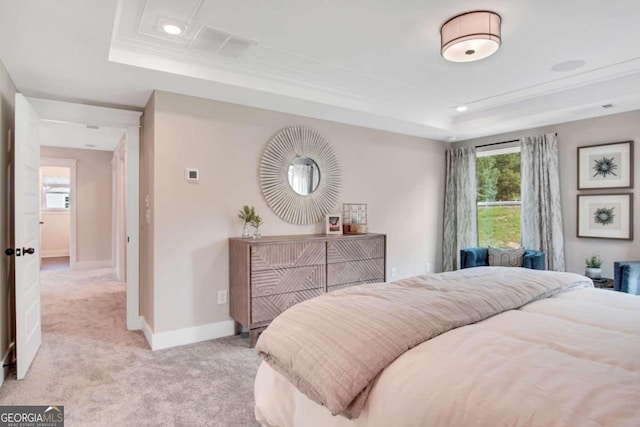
(461,108)
(172,29)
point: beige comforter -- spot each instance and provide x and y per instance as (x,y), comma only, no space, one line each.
(569,360)
(333,347)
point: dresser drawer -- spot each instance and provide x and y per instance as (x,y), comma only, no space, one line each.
(285,255)
(265,309)
(348,285)
(355,249)
(355,272)
(284,280)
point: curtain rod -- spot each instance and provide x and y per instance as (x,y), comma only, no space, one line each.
(502,142)
(497,143)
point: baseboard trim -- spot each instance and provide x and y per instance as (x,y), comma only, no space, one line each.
(146,330)
(186,336)
(5,360)
(88,265)
(136,324)
(55,253)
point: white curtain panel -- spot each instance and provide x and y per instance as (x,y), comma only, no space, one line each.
(460,205)
(541,208)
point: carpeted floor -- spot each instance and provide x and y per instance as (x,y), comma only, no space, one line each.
(105,375)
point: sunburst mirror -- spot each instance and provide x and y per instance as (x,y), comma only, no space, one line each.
(300,175)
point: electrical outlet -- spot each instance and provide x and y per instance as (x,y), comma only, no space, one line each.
(394,272)
(222,297)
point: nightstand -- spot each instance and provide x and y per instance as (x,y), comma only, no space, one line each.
(603,283)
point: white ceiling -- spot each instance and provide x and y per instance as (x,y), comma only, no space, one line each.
(373,63)
(73,135)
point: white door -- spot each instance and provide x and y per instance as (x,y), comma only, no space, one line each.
(27,234)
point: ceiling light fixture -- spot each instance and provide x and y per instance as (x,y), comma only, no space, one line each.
(172,29)
(461,108)
(470,36)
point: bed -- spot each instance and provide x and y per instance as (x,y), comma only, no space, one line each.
(526,348)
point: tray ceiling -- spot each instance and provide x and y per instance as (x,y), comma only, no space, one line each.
(369,63)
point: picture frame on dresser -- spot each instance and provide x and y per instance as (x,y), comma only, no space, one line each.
(333,224)
(605,166)
(605,216)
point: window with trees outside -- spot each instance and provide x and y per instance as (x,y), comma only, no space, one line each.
(499,201)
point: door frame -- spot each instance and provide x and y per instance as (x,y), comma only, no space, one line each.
(73,212)
(118,209)
(129,121)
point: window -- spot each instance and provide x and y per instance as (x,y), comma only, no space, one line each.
(55,192)
(499,201)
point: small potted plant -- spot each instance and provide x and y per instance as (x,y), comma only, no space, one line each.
(593,269)
(256,222)
(247,214)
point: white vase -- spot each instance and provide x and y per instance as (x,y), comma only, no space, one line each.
(593,273)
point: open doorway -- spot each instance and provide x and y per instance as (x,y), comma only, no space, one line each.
(39,120)
(58,212)
(55,217)
(115,133)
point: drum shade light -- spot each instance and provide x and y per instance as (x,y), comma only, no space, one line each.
(470,36)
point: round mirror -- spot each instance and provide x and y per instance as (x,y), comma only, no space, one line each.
(300,175)
(303,175)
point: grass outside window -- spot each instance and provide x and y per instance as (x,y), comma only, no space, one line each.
(499,226)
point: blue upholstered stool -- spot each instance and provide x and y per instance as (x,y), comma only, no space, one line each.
(626,277)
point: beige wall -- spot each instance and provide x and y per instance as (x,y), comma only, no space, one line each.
(618,127)
(93,204)
(400,177)
(55,227)
(146,207)
(54,234)
(7,110)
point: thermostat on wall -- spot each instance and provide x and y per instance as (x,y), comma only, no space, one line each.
(191,175)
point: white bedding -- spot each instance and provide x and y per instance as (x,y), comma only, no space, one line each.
(570,360)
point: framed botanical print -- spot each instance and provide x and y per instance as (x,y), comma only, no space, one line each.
(606,216)
(605,166)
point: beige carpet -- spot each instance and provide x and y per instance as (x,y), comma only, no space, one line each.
(105,375)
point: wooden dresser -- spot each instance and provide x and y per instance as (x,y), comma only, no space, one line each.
(270,274)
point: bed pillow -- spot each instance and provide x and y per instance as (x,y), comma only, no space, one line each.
(506,257)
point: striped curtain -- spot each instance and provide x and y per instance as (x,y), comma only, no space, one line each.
(460,205)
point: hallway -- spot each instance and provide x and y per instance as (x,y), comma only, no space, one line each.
(104,374)
(55,263)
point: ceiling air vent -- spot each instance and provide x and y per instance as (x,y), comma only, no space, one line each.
(219,42)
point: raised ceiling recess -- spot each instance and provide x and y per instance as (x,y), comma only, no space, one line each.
(295,148)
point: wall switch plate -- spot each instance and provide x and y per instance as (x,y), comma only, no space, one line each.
(222,297)
(394,272)
(191,175)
